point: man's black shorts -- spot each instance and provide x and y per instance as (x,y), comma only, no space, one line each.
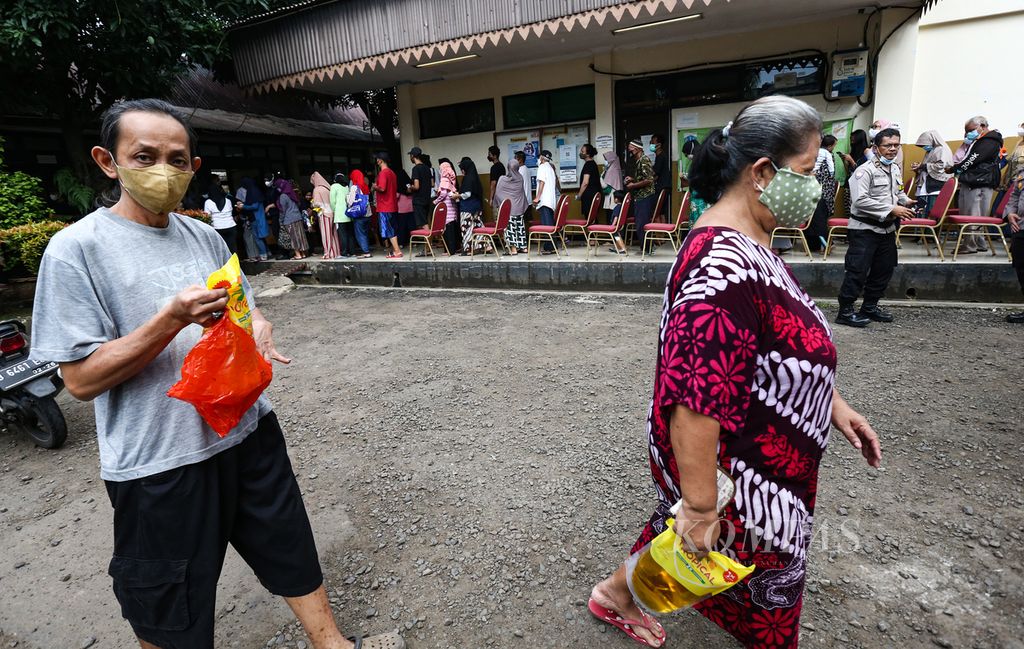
(172,529)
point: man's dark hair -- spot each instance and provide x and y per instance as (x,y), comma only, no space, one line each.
(494,151)
(828,141)
(619,195)
(110,128)
(659,137)
(884,133)
(589,149)
(519,155)
(110,133)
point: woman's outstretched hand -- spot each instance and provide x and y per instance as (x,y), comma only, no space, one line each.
(857,430)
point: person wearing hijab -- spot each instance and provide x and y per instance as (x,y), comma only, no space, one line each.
(931,172)
(361,224)
(251,203)
(877,127)
(510,187)
(447,193)
(612,177)
(342,221)
(471,205)
(292,220)
(325,216)
(405,220)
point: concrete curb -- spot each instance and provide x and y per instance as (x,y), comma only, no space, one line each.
(939,282)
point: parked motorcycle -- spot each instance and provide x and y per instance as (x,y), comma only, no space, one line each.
(28,390)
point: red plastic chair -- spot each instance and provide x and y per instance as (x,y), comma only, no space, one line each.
(1003,202)
(659,206)
(496,229)
(933,222)
(988,225)
(541,232)
(581,225)
(436,229)
(668,231)
(608,231)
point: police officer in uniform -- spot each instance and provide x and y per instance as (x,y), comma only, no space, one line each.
(878,203)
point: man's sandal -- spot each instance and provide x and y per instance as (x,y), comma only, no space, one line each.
(627,626)
(382,641)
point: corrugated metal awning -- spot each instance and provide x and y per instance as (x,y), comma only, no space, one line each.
(346,46)
(347,39)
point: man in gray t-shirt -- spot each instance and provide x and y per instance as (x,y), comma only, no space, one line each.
(105,277)
(120,301)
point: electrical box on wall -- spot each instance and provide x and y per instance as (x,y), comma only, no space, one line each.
(849,73)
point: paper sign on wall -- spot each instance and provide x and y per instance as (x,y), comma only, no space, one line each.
(686,120)
(604,143)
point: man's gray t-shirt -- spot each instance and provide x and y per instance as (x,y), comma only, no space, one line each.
(104,277)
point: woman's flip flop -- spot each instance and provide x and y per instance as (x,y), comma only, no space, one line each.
(627,626)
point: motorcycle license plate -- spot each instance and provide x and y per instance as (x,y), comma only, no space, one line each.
(13,376)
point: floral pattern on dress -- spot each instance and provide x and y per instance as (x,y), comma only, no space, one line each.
(741,342)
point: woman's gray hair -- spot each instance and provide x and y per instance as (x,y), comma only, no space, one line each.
(979,120)
(776,127)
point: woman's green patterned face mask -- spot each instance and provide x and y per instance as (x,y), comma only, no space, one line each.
(791,197)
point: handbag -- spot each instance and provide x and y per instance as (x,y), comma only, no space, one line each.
(359,206)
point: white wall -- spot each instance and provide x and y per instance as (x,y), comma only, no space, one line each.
(494,84)
(836,33)
(897,72)
(965,66)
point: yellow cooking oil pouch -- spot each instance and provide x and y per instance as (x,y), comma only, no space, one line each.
(664,577)
(229,276)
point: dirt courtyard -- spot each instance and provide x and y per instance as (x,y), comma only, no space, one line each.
(473,462)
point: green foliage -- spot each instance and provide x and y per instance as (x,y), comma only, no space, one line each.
(21,197)
(74,59)
(78,195)
(23,245)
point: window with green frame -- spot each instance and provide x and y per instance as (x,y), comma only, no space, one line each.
(573,104)
(457,119)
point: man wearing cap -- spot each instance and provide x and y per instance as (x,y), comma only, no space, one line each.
(420,187)
(641,186)
(386,189)
(546,196)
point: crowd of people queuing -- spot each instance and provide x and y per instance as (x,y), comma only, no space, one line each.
(357,212)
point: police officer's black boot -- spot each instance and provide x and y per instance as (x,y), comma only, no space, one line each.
(1015,318)
(847,316)
(876,313)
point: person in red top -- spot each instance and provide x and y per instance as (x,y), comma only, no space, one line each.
(386,188)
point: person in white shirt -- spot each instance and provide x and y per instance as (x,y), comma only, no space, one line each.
(219,206)
(546,196)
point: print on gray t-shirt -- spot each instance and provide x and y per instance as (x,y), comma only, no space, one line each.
(104,277)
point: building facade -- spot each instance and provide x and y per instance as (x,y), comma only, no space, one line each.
(559,73)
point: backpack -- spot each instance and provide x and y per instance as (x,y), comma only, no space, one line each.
(360,205)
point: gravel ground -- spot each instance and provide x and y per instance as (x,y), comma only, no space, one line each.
(474,462)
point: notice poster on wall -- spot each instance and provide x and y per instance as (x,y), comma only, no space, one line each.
(841,129)
(567,164)
(684,162)
(564,143)
(604,143)
(526,141)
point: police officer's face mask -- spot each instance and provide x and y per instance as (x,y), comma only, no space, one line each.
(790,196)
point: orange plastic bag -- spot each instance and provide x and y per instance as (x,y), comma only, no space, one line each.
(224,374)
